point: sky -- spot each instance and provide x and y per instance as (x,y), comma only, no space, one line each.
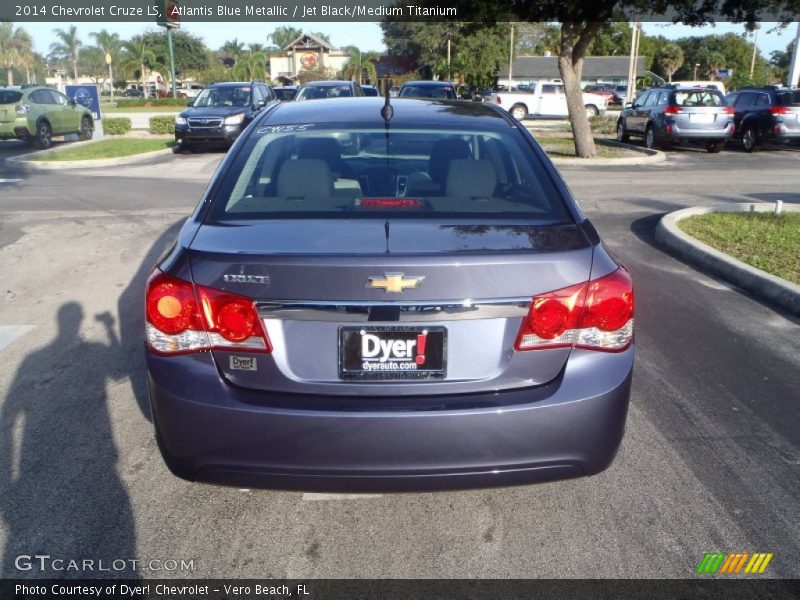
(368,36)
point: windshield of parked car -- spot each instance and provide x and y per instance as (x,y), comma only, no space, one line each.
(10,96)
(321,92)
(445,92)
(223,96)
(699,98)
(313,170)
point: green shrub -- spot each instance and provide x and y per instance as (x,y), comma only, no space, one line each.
(116,125)
(162,124)
(603,124)
(154,102)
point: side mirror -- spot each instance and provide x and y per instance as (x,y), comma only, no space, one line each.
(72,102)
(630,105)
(190,103)
(262,103)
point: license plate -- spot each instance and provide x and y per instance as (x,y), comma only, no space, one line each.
(393,353)
(701,118)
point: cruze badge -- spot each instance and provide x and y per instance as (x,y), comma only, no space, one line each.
(233,278)
(394,282)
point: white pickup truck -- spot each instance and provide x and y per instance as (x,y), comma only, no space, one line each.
(545,100)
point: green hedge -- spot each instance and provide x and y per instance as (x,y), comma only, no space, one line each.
(116,125)
(162,124)
(155,102)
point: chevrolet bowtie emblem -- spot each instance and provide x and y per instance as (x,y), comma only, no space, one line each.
(394,282)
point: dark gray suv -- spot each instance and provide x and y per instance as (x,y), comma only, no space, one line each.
(374,299)
(672,114)
(766,114)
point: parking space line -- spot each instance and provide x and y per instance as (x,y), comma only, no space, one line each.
(315,497)
(9,180)
(9,333)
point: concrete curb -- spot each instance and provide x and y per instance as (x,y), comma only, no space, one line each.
(649,157)
(24,160)
(761,284)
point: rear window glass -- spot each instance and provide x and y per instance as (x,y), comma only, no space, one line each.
(9,96)
(789,98)
(428,91)
(223,96)
(322,92)
(290,171)
(699,98)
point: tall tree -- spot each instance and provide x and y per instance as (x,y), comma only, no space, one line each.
(283,36)
(359,65)
(322,36)
(110,44)
(67,48)
(139,58)
(16,50)
(671,59)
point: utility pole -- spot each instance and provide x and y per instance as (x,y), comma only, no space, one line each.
(794,68)
(694,73)
(449,74)
(755,51)
(635,35)
(511,57)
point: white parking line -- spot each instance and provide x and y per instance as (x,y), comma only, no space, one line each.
(9,180)
(9,333)
(313,497)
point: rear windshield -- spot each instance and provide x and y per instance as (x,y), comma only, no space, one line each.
(699,98)
(428,91)
(312,170)
(789,98)
(322,92)
(223,96)
(9,96)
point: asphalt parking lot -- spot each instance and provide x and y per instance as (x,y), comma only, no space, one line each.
(710,461)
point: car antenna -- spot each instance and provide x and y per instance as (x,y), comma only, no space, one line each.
(387,112)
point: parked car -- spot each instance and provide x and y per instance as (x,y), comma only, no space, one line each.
(606,91)
(766,114)
(36,113)
(705,83)
(220,113)
(321,90)
(620,92)
(393,91)
(133,93)
(370,90)
(671,114)
(285,93)
(191,90)
(424,308)
(442,90)
(544,99)
(476,94)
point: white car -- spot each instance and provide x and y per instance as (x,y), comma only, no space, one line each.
(190,90)
(545,99)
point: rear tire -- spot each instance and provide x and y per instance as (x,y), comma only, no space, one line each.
(43,138)
(715,147)
(622,135)
(650,138)
(750,140)
(87,129)
(519,111)
(591,111)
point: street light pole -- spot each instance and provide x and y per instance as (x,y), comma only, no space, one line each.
(794,68)
(110,74)
(755,50)
(694,75)
(449,74)
(511,57)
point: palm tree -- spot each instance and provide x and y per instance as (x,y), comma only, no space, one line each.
(283,36)
(715,61)
(16,49)
(671,59)
(138,57)
(256,48)
(109,43)
(250,66)
(358,63)
(230,51)
(67,48)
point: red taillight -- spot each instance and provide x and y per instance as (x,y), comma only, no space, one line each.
(498,99)
(780,110)
(729,110)
(673,110)
(389,203)
(183,319)
(597,315)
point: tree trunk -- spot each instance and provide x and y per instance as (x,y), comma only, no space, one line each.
(145,91)
(27,73)
(9,76)
(111,81)
(574,44)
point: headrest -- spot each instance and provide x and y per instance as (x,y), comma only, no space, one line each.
(471,178)
(305,178)
(442,153)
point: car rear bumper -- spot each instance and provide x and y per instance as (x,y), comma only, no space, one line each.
(675,132)
(14,130)
(211,431)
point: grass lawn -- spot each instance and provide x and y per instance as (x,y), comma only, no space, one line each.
(109,148)
(563,146)
(767,241)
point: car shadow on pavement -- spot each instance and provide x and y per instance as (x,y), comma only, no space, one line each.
(130,308)
(60,493)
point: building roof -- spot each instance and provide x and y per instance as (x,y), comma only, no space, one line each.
(594,67)
(309,39)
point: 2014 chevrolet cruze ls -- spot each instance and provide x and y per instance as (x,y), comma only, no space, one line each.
(388,298)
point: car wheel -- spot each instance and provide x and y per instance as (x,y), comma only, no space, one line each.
(650,138)
(622,135)
(87,129)
(750,140)
(591,111)
(715,147)
(44,136)
(519,112)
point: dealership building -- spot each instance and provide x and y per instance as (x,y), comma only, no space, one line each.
(610,70)
(306,53)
